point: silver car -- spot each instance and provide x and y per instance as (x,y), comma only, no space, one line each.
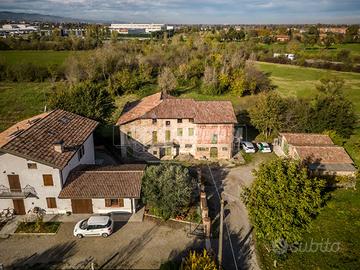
(94,226)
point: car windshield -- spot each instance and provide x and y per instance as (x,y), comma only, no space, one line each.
(84,225)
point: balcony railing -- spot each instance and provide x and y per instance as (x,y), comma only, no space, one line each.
(27,191)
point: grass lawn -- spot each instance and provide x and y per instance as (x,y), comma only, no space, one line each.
(36,57)
(339,221)
(44,227)
(21,100)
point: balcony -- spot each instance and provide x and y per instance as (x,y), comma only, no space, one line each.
(7,193)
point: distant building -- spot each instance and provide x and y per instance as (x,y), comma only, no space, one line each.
(16,29)
(137,28)
(335,30)
(282,38)
(289,56)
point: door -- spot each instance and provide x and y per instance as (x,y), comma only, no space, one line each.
(19,206)
(14,183)
(213,152)
(81,206)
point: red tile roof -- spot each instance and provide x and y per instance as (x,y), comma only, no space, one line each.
(167,107)
(123,181)
(37,142)
(307,139)
(323,154)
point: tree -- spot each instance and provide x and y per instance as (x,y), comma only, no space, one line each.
(282,201)
(265,114)
(167,81)
(331,85)
(199,261)
(167,189)
(87,99)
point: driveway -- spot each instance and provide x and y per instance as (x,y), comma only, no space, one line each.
(137,245)
(239,252)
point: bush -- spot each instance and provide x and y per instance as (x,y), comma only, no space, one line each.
(199,261)
(167,189)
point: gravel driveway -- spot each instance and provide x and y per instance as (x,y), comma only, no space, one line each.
(140,245)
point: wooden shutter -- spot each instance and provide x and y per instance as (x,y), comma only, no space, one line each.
(14,183)
(48,180)
(51,202)
(107,203)
(121,202)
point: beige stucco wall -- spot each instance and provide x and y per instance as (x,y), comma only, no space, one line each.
(141,135)
(99,206)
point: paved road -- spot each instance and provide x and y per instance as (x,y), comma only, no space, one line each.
(140,245)
(230,183)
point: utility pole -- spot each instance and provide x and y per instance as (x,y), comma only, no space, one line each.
(221,233)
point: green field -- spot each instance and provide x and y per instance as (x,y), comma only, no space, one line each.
(338,222)
(36,57)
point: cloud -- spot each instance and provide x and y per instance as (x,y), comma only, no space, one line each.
(196,11)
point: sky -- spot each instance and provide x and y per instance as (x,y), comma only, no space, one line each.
(196,11)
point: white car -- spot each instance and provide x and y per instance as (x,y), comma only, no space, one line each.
(263,147)
(248,147)
(94,226)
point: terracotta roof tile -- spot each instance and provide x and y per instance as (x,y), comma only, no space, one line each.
(37,142)
(104,182)
(167,107)
(323,154)
(307,139)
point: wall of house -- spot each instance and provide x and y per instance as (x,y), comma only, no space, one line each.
(141,132)
(87,158)
(13,165)
(99,206)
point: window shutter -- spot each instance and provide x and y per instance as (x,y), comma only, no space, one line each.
(107,203)
(48,180)
(51,202)
(121,202)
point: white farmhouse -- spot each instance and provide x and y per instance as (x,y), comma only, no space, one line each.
(40,154)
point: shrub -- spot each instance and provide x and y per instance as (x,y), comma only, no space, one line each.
(167,188)
(199,261)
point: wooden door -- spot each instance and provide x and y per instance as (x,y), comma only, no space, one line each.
(81,206)
(19,206)
(14,183)
(213,152)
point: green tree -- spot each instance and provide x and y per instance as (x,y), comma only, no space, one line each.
(265,114)
(87,99)
(167,189)
(282,201)
(331,85)
(124,81)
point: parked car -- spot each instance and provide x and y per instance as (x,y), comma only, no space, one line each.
(263,147)
(248,147)
(94,226)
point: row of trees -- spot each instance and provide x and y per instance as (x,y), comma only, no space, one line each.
(328,110)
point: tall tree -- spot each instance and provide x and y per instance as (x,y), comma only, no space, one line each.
(282,201)
(167,81)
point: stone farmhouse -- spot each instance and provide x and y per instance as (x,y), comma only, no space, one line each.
(162,127)
(48,161)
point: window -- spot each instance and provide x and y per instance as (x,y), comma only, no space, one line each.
(214,138)
(179,131)
(167,135)
(51,202)
(114,202)
(154,121)
(154,153)
(154,137)
(128,134)
(167,123)
(168,151)
(224,148)
(191,120)
(179,121)
(188,145)
(32,166)
(203,149)
(191,132)
(81,152)
(48,180)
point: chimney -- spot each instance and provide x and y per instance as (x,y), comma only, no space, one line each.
(59,146)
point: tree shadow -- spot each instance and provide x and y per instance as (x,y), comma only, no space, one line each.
(53,257)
